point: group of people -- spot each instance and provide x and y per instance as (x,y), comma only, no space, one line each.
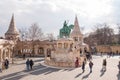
(29,64)
(5,64)
(83,64)
(110,54)
(90,66)
(104,64)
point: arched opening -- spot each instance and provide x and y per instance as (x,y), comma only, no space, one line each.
(48,52)
(80,51)
(41,50)
(85,49)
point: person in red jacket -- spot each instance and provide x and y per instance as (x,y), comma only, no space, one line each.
(77,62)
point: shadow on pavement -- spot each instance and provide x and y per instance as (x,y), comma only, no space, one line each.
(102,73)
(118,75)
(33,60)
(68,69)
(78,75)
(86,76)
(37,70)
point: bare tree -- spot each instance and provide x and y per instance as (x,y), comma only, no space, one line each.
(103,35)
(23,34)
(50,37)
(118,33)
(35,32)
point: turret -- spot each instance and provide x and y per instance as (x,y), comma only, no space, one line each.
(12,32)
(76,33)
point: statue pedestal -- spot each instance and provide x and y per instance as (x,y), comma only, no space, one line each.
(64,54)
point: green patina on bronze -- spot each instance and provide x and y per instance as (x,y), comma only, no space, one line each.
(65,31)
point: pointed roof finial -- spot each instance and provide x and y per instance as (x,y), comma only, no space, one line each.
(76,30)
(12,14)
(12,28)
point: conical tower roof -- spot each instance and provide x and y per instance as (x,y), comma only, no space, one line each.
(76,30)
(12,30)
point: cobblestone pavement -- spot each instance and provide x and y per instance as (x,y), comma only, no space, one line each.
(17,71)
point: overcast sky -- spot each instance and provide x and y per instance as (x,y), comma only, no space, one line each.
(50,14)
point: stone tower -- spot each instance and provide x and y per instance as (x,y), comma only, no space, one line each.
(76,33)
(12,32)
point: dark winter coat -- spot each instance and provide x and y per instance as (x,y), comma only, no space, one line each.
(90,64)
(83,65)
(104,63)
(31,63)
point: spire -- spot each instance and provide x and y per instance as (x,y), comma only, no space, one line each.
(76,30)
(12,28)
(12,32)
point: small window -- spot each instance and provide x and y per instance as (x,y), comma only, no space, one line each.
(65,45)
(59,45)
(75,38)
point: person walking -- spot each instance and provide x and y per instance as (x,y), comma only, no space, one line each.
(27,64)
(6,64)
(119,67)
(31,64)
(90,66)
(104,65)
(24,56)
(83,66)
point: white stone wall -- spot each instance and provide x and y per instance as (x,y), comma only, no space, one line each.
(65,57)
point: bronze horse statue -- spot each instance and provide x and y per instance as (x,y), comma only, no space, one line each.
(65,31)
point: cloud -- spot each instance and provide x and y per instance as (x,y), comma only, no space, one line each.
(50,14)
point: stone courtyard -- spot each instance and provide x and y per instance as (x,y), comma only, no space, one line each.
(17,71)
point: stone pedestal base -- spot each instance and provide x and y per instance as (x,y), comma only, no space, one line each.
(62,64)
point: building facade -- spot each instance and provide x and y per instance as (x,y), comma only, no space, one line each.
(8,43)
(34,48)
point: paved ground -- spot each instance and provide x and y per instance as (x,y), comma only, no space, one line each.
(40,72)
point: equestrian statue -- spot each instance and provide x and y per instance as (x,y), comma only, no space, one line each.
(65,31)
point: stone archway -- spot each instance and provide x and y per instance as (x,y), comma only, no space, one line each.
(48,52)
(81,51)
(41,50)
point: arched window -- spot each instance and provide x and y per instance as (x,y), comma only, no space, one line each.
(75,38)
(41,50)
(80,51)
